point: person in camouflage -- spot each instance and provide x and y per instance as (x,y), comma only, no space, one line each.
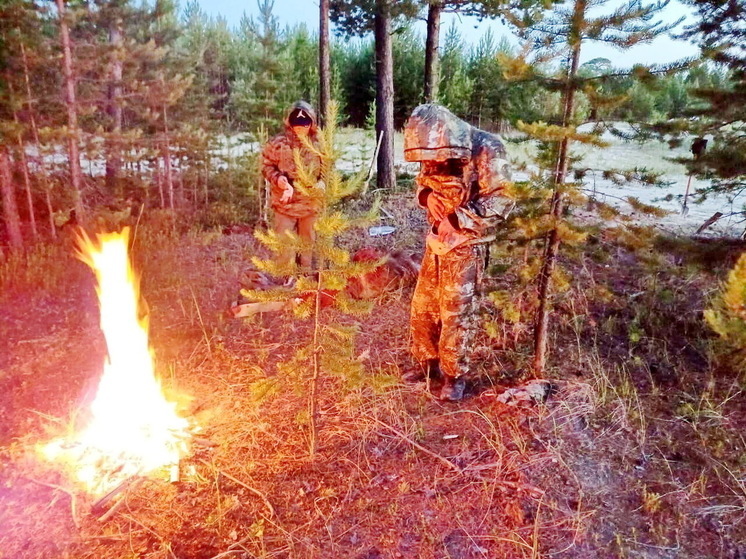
(463,184)
(293,209)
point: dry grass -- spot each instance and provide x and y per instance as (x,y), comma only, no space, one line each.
(637,454)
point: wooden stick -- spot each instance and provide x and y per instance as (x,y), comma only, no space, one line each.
(419,446)
(73,506)
(234,548)
(684,207)
(716,216)
(256,492)
(99,505)
(112,510)
(372,163)
(510,484)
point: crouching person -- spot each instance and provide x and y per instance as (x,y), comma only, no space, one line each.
(463,184)
(294,210)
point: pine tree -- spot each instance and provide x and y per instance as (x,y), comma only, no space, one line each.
(71,103)
(408,74)
(111,16)
(330,350)
(15,17)
(325,78)
(562,35)
(727,313)
(722,106)
(27,88)
(173,122)
(359,83)
(33,55)
(432,46)
(300,74)
(264,97)
(357,17)
(10,205)
(529,9)
(455,84)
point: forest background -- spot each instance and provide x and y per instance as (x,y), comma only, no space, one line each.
(116,112)
(161,93)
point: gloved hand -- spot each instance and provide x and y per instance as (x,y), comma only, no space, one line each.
(445,227)
(287,189)
(435,207)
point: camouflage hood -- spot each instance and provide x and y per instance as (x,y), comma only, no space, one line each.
(433,133)
(306,108)
(278,160)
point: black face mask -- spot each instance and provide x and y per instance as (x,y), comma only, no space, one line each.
(299,118)
(449,167)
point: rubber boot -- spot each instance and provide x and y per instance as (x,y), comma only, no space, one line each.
(429,369)
(453,389)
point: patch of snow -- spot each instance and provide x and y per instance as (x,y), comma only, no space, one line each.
(621,155)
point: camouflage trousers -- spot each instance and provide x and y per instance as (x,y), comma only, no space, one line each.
(303,226)
(444,307)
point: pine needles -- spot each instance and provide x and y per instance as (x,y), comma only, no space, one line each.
(330,349)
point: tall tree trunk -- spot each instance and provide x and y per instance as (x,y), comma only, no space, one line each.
(181,196)
(169,175)
(206,184)
(27,185)
(384,94)
(114,158)
(432,41)
(560,172)
(72,112)
(324,60)
(37,143)
(23,164)
(10,207)
(159,182)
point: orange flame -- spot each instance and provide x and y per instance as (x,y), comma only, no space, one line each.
(133,429)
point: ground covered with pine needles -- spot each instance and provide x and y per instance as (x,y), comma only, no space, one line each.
(638,452)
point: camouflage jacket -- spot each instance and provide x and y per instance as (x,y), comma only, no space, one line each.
(278,160)
(476,198)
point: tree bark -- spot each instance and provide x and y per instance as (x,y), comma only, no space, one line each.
(384,94)
(27,186)
(159,182)
(10,206)
(169,175)
(541,325)
(324,61)
(37,143)
(114,158)
(72,112)
(23,163)
(432,42)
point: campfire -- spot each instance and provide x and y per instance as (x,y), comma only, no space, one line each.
(133,430)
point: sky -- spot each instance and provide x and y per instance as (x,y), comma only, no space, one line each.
(293,12)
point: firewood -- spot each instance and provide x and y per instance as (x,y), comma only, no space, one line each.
(103,503)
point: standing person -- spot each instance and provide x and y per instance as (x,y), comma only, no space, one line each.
(463,184)
(295,208)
